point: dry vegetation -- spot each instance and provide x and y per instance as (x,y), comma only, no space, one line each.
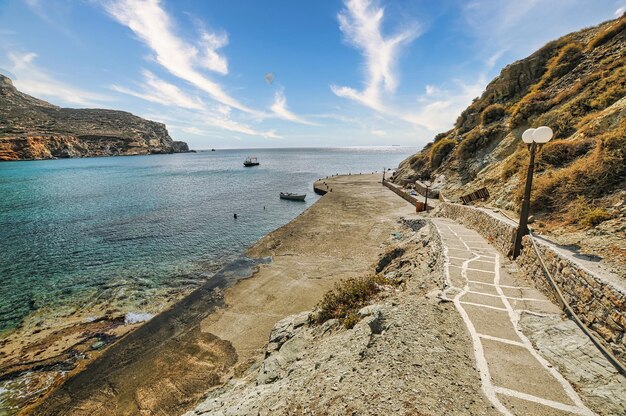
(347,297)
(439,151)
(573,85)
(492,113)
(607,34)
(593,176)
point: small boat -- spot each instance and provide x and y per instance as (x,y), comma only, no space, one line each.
(213,150)
(251,161)
(292,197)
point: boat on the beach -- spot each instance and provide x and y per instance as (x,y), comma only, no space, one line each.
(251,161)
(292,197)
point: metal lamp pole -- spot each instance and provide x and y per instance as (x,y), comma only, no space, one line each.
(535,139)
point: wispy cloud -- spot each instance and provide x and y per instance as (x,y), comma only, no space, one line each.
(35,81)
(439,107)
(185,60)
(518,28)
(161,92)
(281,111)
(620,11)
(361,24)
(153,26)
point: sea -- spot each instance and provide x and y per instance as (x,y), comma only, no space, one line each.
(125,230)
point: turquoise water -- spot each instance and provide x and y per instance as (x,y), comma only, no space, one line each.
(82,231)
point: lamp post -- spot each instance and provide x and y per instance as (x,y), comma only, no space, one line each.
(427,185)
(534,139)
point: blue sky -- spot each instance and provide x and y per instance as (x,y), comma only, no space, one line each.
(344,73)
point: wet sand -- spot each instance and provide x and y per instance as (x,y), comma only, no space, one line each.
(166,365)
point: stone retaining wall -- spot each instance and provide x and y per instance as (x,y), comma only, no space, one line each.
(599,303)
(599,299)
(498,231)
(419,205)
(421,189)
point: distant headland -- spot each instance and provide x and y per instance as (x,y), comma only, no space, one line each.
(32,129)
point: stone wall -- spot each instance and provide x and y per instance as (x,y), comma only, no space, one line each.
(421,189)
(599,301)
(597,297)
(419,205)
(497,230)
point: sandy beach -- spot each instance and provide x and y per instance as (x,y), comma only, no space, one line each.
(168,364)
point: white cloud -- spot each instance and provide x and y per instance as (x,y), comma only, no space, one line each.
(212,60)
(280,110)
(153,26)
(517,28)
(37,82)
(161,92)
(441,107)
(620,11)
(225,124)
(361,23)
(379,133)
(432,90)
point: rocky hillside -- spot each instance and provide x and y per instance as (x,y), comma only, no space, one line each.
(577,86)
(34,129)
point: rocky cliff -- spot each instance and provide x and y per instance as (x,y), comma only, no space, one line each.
(34,129)
(577,86)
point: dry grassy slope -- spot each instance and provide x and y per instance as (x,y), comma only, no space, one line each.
(34,129)
(576,85)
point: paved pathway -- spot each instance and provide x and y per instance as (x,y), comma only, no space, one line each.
(515,378)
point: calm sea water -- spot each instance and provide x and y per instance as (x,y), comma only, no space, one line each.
(77,230)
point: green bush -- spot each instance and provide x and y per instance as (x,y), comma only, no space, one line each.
(347,297)
(492,113)
(479,140)
(439,151)
(440,136)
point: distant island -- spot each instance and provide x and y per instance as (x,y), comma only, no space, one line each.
(32,129)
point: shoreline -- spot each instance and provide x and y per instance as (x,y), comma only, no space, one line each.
(208,331)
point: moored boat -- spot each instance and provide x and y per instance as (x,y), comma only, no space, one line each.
(251,161)
(292,197)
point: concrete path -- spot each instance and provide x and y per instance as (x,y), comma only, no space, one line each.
(514,377)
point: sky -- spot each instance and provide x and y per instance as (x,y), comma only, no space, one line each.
(278,73)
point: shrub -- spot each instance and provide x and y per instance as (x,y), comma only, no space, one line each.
(347,297)
(607,34)
(581,212)
(418,161)
(533,103)
(479,139)
(559,153)
(567,59)
(513,164)
(593,176)
(492,113)
(439,151)
(440,136)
